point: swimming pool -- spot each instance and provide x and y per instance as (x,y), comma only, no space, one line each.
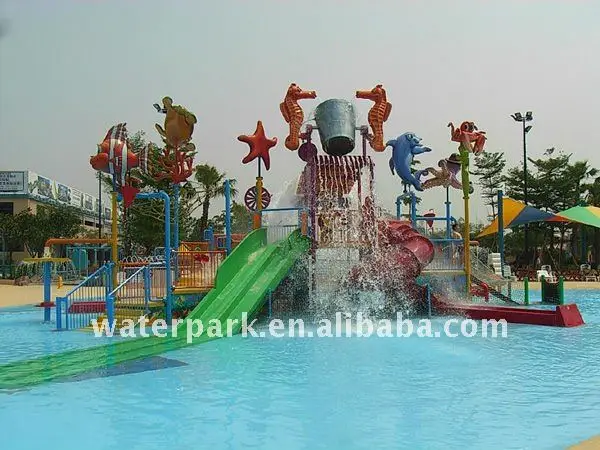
(539,389)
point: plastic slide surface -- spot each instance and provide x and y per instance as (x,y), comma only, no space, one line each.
(242,281)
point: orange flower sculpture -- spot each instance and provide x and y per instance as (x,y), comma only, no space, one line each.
(293,114)
(378,114)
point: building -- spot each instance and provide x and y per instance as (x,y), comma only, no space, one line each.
(20,190)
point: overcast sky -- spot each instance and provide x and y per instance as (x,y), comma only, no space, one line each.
(71,69)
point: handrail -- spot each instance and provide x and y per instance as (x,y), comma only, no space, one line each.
(127,280)
(80,295)
(92,275)
(188,252)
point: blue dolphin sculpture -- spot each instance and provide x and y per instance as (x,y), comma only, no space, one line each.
(404,148)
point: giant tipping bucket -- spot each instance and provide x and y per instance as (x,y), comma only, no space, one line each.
(336,121)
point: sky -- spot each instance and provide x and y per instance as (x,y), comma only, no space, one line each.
(71,69)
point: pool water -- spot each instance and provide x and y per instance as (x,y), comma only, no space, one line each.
(539,388)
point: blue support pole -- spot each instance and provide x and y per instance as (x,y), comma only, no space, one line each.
(228,216)
(209,236)
(501,230)
(169,280)
(448,224)
(110,309)
(162,195)
(47,289)
(176,191)
(413,209)
(398,207)
(59,304)
(108,285)
(428,300)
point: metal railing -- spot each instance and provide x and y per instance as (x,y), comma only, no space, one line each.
(281,222)
(221,240)
(138,261)
(197,269)
(341,228)
(484,272)
(194,246)
(86,301)
(448,255)
(143,290)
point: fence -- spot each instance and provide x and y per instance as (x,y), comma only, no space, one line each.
(143,291)
(86,301)
(220,240)
(7,270)
(342,228)
(194,246)
(448,256)
(197,269)
(281,222)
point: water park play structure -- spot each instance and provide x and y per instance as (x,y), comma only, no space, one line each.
(334,230)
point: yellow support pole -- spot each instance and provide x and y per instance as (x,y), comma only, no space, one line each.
(464,157)
(257,215)
(114,238)
(304,223)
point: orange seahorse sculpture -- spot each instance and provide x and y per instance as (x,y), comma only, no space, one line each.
(378,114)
(293,114)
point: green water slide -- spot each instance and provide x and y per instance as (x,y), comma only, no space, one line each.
(243,280)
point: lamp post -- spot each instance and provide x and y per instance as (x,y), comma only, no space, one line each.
(528,117)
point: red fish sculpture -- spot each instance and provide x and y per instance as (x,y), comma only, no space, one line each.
(115,158)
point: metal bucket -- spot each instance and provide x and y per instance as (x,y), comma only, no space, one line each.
(336,121)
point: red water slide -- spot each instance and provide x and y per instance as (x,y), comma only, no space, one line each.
(407,252)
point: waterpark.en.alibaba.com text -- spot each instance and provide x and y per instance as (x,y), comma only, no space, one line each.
(342,325)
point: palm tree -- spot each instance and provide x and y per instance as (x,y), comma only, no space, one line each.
(211,186)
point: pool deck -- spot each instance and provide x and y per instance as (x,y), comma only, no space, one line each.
(589,444)
(535,285)
(11,295)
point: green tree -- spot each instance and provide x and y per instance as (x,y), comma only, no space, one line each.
(50,221)
(9,238)
(241,219)
(143,223)
(488,169)
(554,184)
(210,186)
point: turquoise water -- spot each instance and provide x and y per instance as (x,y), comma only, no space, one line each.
(539,388)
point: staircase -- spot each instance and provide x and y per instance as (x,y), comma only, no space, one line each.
(491,274)
(141,294)
(495,262)
(486,274)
